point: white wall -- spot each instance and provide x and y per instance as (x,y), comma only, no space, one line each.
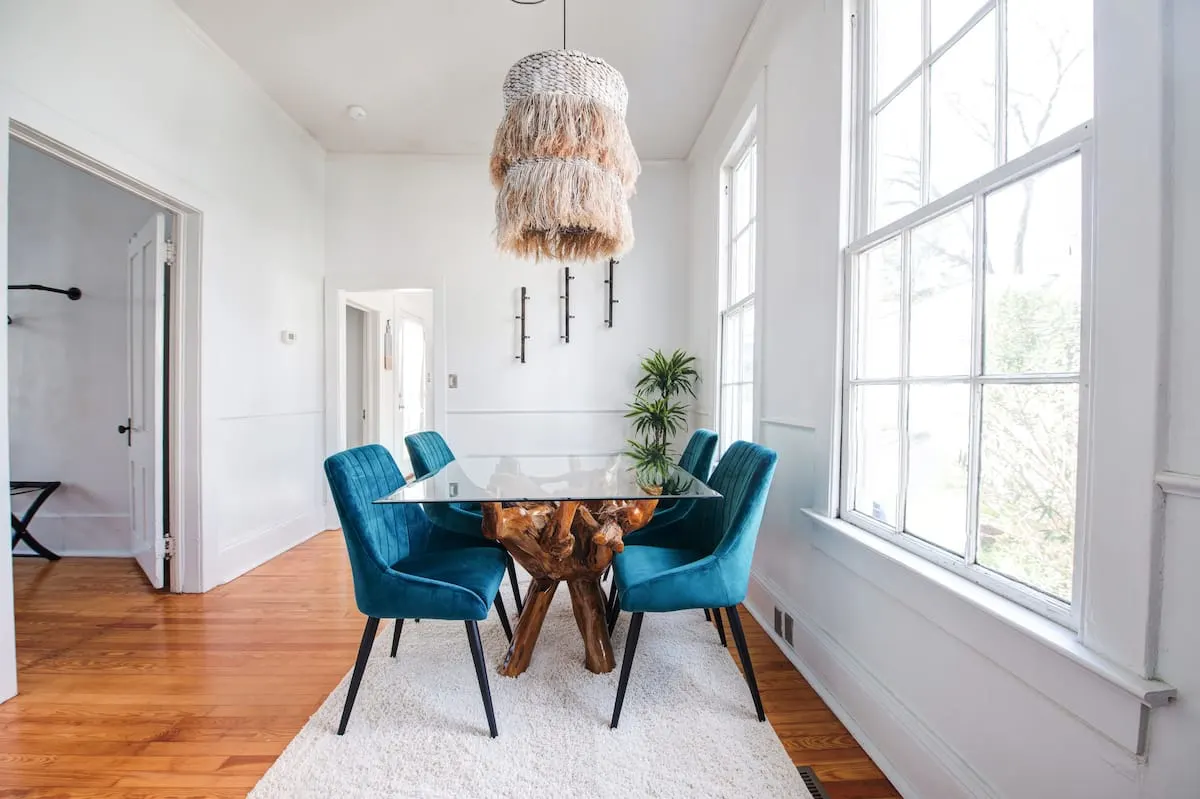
(137,87)
(428,221)
(950,699)
(68,360)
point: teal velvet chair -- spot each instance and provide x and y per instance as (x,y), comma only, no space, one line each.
(405,567)
(429,452)
(701,562)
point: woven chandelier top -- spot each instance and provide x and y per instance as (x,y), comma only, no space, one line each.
(563,163)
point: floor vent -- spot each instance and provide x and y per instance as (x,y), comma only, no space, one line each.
(812,783)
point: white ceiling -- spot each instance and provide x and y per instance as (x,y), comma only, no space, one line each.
(429,71)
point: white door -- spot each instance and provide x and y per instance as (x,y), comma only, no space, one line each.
(413,368)
(356,396)
(147,348)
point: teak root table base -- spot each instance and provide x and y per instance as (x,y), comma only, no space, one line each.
(571,542)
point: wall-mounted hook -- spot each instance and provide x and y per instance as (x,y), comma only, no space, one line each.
(521,316)
(566,298)
(612,300)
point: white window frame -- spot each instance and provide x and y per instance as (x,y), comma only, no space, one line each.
(1077,142)
(746,148)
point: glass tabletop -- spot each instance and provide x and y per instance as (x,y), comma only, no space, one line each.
(549,478)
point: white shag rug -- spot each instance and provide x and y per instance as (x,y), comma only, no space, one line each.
(418,729)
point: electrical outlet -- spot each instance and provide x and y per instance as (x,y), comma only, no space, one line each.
(787,628)
(453,380)
(778,622)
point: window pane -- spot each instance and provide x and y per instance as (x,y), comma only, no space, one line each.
(879,280)
(962,104)
(1033,284)
(731,350)
(743,191)
(938,443)
(1050,75)
(947,16)
(877,451)
(941,304)
(746,374)
(897,42)
(742,277)
(897,160)
(727,413)
(745,425)
(1027,484)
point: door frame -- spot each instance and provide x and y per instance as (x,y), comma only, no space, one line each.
(336,300)
(181,459)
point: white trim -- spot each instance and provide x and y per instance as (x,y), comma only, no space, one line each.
(256,548)
(532,411)
(1179,483)
(919,764)
(780,421)
(924,587)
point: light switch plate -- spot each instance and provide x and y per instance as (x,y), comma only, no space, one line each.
(453,380)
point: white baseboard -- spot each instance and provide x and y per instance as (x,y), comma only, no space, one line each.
(256,550)
(82,535)
(919,763)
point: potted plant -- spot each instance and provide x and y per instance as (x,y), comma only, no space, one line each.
(659,411)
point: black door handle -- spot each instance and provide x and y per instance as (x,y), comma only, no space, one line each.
(127,431)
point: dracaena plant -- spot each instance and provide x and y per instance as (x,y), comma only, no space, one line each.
(659,411)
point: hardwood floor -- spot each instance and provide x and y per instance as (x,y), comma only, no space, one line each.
(126,693)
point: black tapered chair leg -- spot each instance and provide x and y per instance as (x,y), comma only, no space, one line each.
(720,627)
(614,609)
(396,635)
(707,615)
(516,587)
(360,665)
(631,640)
(498,604)
(739,638)
(481,674)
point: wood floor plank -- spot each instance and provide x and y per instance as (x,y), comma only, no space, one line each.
(131,694)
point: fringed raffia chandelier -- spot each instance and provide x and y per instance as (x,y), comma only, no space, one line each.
(563,164)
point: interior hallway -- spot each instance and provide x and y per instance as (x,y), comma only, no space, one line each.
(129,693)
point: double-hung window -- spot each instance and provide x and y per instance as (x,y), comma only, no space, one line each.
(966,347)
(736,401)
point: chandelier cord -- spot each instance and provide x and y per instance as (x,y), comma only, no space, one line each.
(564,24)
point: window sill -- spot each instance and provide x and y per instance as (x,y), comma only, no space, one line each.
(1044,655)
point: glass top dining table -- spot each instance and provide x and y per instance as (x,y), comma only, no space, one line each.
(550,478)
(562,518)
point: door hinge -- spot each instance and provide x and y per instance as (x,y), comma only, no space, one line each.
(169,545)
(170,253)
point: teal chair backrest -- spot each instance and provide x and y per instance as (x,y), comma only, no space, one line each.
(428,452)
(697,457)
(377,536)
(730,524)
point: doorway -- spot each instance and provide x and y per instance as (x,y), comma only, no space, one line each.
(89,341)
(356,376)
(384,369)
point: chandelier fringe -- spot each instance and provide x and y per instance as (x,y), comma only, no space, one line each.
(566,210)
(565,126)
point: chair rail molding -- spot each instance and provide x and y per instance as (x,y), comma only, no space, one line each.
(1179,483)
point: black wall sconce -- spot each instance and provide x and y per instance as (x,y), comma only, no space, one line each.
(566,298)
(612,300)
(521,316)
(72,293)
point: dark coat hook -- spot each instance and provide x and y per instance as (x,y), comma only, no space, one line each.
(566,298)
(524,297)
(612,300)
(72,293)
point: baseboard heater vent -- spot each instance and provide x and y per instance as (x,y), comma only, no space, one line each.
(812,783)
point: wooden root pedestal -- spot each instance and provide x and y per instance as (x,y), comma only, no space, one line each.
(570,542)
